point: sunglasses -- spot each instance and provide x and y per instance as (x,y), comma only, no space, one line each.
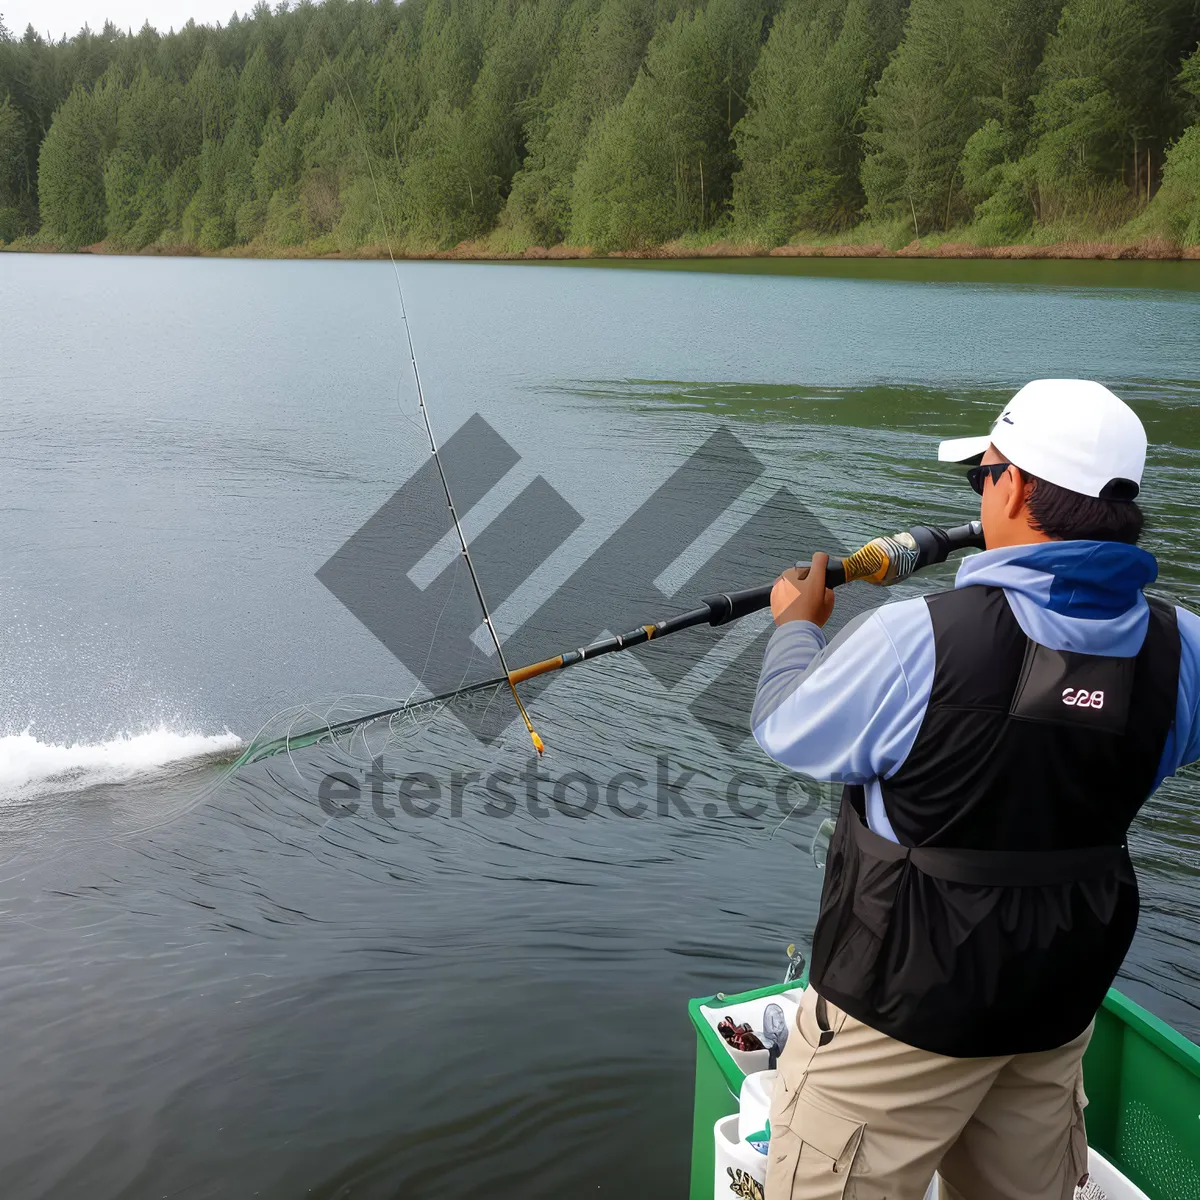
(993,471)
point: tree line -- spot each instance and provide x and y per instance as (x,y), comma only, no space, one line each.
(616,124)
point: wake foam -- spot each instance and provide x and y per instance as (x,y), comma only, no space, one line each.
(28,765)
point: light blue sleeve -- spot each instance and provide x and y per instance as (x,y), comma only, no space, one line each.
(848,712)
(1183,741)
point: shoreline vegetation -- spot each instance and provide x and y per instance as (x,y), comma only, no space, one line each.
(609,129)
(1146,250)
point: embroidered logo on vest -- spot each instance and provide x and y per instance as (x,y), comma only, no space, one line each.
(1082,698)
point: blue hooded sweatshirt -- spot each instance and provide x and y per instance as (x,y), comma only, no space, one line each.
(850,711)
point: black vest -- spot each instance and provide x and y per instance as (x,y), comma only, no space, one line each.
(1002,921)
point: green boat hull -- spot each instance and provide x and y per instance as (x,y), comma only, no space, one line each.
(1142,1079)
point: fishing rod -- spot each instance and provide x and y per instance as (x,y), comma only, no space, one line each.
(883,561)
(464,549)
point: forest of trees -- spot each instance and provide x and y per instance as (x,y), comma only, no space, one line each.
(614,124)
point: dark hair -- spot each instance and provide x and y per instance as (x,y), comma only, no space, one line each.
(1066,515)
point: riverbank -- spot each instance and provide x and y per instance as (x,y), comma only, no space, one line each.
(1143,250)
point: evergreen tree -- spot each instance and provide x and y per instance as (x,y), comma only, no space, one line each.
(122,177)
(1104,100)
(12,152)
(616,123)
(210,98)
(919,118)
(800,142)
(961,63)
(661,162)
(150,205)
(444,177)
(276,164)
(1175,210)
(12,156)
(177,194)
(1008,41)
(451,50)
(71,173)
(594,71)
(257,92)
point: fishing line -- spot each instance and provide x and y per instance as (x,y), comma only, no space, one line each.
(804,799)
(884,561)
(538,744)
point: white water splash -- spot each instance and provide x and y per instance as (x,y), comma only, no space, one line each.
(28,765)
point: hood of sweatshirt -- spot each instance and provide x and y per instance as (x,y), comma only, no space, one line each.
(1080,596)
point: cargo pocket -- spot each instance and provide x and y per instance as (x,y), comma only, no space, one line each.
(794,1062)
(815,1157)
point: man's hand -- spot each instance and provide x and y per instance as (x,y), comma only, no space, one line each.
(801,595)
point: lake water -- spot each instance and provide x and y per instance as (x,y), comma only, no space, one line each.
(215,986)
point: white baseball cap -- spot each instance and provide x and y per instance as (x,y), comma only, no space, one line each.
(1071,432)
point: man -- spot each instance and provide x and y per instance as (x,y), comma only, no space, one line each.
(996,741)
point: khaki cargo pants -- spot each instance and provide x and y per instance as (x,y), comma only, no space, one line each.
(859,1115)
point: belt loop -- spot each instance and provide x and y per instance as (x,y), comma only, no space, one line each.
(822,1014)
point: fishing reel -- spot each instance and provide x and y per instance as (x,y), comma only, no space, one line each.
(888,560)
(883,561)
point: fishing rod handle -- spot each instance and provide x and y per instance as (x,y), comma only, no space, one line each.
(892,559)
(882,561)
(732,606)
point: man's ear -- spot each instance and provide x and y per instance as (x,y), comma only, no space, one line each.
(1019,496)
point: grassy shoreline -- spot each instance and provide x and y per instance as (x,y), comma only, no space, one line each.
(1143,250)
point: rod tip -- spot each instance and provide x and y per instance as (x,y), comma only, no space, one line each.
(538,744)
